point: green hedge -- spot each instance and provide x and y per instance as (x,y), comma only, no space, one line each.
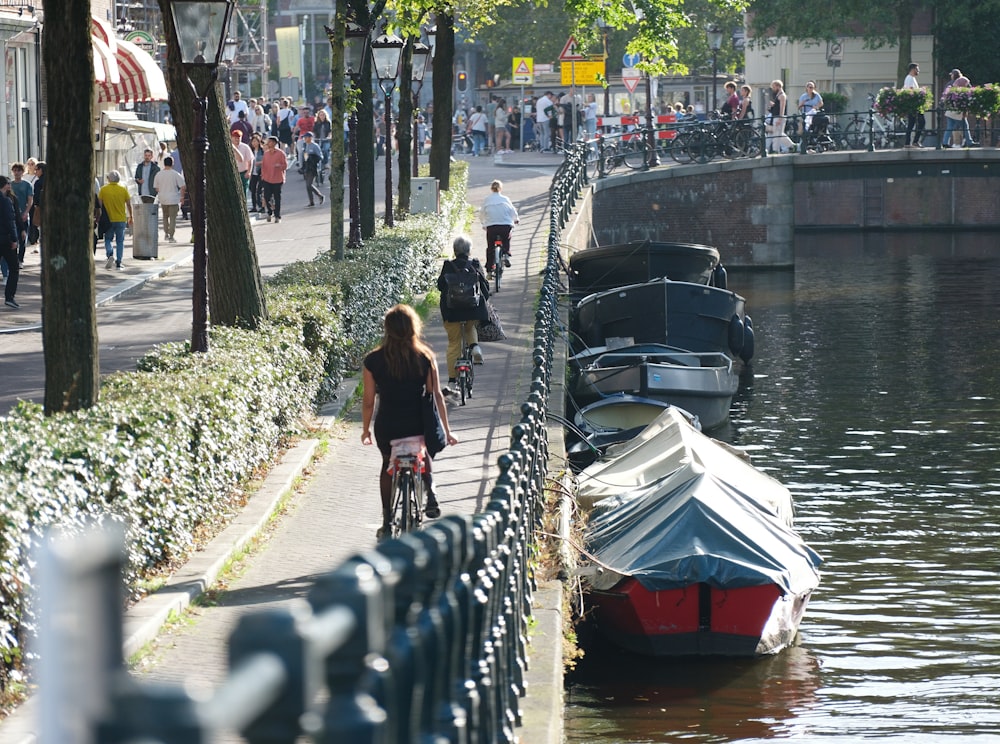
(165,450)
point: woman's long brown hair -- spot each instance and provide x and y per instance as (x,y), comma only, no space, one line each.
(402,344)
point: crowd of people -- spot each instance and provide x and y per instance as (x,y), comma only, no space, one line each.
(23,194)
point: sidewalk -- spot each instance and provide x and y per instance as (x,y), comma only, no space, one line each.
(336,512)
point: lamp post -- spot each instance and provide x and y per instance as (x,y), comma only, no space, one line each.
(653,159)
(200,28)
(229,49)
(714,35)
(355,53)
(421,60)
(386,51)
(603,25)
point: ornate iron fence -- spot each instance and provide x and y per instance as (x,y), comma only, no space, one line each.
(423,638)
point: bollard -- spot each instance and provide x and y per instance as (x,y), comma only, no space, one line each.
(165,714)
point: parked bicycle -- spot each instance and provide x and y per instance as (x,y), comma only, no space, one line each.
(864,129)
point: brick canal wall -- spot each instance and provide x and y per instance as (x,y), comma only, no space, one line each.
(751,209)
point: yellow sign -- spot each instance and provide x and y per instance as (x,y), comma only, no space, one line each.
(582,73)
(524,71)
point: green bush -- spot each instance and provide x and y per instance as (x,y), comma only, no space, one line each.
(165,450)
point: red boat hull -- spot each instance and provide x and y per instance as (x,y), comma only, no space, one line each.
(698,620)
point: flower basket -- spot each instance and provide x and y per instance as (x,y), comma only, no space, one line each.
(985,100)
(902,101)
(958,99)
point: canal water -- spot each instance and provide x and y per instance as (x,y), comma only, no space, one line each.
(875,399)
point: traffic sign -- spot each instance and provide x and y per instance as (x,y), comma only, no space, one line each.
(570,53)
(631,60)
(524,71)
(588,72)
(631,77)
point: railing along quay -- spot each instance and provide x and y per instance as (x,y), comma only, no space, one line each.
(423,638)
(701,141)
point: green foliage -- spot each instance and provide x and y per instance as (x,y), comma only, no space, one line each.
(965,37)
(834,103)
(167,447)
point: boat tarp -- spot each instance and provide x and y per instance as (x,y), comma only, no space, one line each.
(696,529)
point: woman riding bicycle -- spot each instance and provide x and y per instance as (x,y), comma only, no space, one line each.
(498,216)
(397,372)
(460,321)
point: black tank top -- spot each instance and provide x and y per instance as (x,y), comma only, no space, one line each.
(775,109)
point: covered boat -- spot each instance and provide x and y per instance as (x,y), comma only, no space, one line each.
(702,383)
(684,315)
(609,266)
(693,551)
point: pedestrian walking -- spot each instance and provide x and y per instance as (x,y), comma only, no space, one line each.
(8,242)
(244,158)
(118,204)
(914,122)
(256,199)
(25,201)
(145,174)
(312,163)
(170,188)
(272,175)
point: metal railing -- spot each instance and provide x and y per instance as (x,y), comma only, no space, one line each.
(701,141)
(423,638)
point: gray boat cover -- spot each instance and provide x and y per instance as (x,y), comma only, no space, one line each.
(687,530)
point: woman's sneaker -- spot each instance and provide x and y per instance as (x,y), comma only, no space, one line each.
(477,354)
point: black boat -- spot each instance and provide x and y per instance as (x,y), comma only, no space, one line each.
(609,266)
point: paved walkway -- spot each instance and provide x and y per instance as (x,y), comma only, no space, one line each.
(336,512)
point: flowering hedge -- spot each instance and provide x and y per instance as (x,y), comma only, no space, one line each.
(957,99)
(902,101)
(985,100)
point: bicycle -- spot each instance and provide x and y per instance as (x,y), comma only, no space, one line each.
(859,133)
(464,371)
(499,258)
(407,464)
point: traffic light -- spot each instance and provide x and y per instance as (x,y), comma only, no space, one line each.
(463,81)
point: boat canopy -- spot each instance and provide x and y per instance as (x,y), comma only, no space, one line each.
(694,527)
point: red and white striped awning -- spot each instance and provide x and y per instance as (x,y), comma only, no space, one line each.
(122,71)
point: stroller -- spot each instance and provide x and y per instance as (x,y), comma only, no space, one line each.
(817,137)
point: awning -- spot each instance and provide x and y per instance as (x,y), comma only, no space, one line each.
(122,71)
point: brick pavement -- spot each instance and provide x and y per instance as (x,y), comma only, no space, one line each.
(335,514)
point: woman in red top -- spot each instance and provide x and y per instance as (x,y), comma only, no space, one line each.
(272,176)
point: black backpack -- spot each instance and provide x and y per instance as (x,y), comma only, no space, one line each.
(463,289)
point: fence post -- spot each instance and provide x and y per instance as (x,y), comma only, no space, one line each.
(351,713)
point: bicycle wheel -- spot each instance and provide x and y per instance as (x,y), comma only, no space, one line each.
(461,385)
(405,505)
(857,135)
(703,147)
(680,148)
(636,153)
(610,156)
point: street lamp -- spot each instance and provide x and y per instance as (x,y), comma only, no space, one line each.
(386,51)
(229,49)
(603,25)
(200,30)
(714,34)
(421,61)
(357,41)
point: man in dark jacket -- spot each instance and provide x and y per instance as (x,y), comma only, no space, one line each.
(461,322)
(145,175)
(8,242)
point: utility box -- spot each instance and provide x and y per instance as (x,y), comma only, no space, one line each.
(145,230)
(424,196)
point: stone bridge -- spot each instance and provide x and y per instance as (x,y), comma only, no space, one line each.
(751,209)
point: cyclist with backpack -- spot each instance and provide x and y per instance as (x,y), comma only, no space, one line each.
(498,216)
(464,291)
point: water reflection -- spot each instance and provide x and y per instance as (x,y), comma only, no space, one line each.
(874,398)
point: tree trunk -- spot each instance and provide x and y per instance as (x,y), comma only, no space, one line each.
(404,128)
(444,85)
(337,111)
(69,315)
(235,287)
(904,15)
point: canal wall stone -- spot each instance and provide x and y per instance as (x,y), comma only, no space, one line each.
(751,209)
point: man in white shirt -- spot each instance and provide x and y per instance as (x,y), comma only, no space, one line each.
(913,120)
(169,185)
(244,158)
(545,118)
(235,106)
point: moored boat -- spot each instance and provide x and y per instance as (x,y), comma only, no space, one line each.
(693,549)
(609,266)
(684,315)
(702,383)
